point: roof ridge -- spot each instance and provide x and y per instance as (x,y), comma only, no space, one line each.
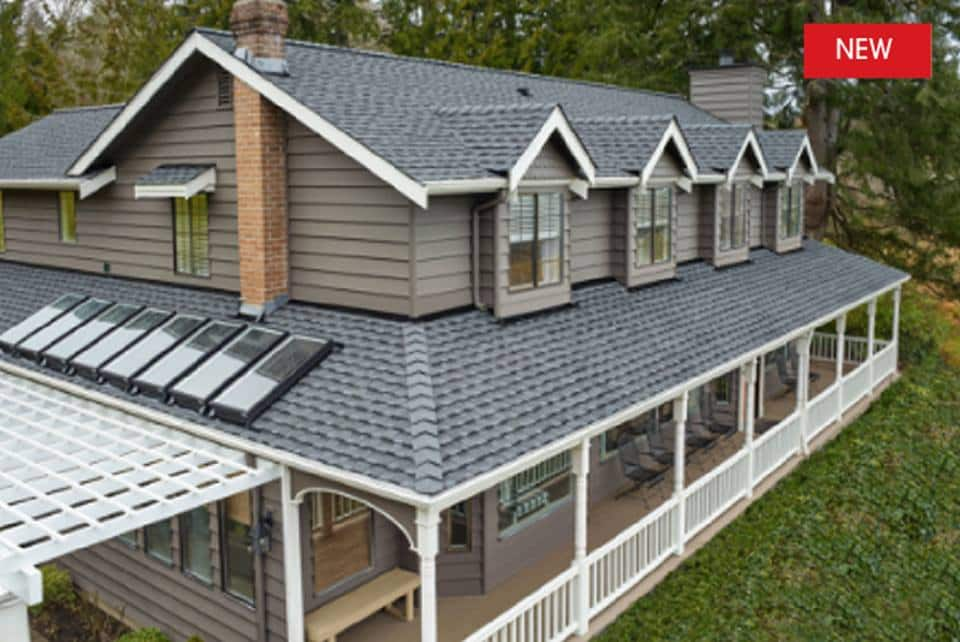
(624,118)
(422,408)
(89,108)
(448,63)
(484,108)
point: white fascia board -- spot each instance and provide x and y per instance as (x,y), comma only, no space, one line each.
(805,148)
(709,179)
(826,175)
(490,479)
(749,142)
(376,487)
(776,177)
(615,182)
(671,134)
(466,186)
(197,43)
(555,123)
(206,182)
(757,181)
(685,184)
(580,187)
(95,183)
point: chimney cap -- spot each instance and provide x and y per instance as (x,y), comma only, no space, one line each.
(726,58)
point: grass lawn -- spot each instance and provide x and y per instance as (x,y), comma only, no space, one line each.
(861,542)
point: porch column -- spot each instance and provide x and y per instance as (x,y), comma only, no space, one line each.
(292,558)
(761,375)
(428,543)
(895,332)
(581,470)
(841,354)
(803,387)
(871,337)
(679,445)
(748,372)
(13,618)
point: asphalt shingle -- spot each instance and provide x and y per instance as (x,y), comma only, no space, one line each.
(173,174)
(781,146)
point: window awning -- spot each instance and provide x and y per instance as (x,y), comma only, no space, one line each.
(176,181)
(75,472)
(86,185)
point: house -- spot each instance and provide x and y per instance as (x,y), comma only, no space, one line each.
(302,337)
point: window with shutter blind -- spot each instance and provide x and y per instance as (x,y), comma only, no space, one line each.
(191,235)
(536,239)
(652,226)
(733,211)
(236,523)
(68,217)
(791,210)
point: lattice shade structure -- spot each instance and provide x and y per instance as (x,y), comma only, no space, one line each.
(74,472)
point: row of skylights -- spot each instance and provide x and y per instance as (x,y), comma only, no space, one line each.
(226,369)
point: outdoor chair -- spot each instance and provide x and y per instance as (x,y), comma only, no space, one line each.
(639,465)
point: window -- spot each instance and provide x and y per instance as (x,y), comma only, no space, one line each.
(652,217)
(130,539)
(68,217)
(533,493)
(610,440)
(723,389)
(457,519)
(237,520)
(791,210)
(342,538)
(191,235)
(536,238)
(195,543)
(733,211)
(158,541)
(3,231)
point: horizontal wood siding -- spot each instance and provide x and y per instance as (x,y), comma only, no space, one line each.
(756,216)
(621,216)
(706,197)
(349,231)
(688,221)
(488,255)
(771,214)
(591,229)
(136,237)
(461,572)
(553,162)
(444,255)
(733,93)
(276,602)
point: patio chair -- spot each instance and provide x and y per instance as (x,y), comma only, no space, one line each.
(698,432)
(639,466)
(712,418)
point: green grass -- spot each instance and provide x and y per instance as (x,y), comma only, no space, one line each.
(861,542)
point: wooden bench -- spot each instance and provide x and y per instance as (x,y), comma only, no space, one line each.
(325,623)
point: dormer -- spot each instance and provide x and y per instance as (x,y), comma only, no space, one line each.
(793,168)
(733,171)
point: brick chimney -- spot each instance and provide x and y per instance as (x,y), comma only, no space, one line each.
(261,151)
(731,91)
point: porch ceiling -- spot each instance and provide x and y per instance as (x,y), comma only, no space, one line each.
(74,473)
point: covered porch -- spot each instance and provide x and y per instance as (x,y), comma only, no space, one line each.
(623,538)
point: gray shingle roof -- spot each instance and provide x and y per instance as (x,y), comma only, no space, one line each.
(715,147)
(46,148)
(173,174)
(389,103)
(781,146)
(621,144)
(430,404)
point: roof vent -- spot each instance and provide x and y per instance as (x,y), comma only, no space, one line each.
(726,58)
(524,91)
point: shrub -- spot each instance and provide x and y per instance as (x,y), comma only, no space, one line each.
(58,590)
(144,635)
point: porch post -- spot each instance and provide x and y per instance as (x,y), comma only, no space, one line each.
(581,470)
(895,333)
(292,558)
(841,357)
(763,384)
(749,373)
(13,618)
(803,387)
(428,543)
(679,446)
(871,337)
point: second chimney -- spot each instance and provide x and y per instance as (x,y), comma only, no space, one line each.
(731,91)
(261,151)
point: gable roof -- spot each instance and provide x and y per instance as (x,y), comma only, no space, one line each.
(46,148)
(784,147)
(428,405)
(719,148)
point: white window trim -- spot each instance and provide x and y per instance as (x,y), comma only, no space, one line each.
(556,123)
(206,182)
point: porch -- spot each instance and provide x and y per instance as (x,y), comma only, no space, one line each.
(784,404)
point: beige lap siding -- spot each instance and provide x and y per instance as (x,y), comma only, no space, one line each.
(441,236)
(591,231)
(136,237)
(349,231)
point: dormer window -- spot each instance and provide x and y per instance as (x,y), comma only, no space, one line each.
(652,213)
(536,239)
(791,210)
(733,210)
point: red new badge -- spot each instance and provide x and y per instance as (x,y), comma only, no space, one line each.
(867,50)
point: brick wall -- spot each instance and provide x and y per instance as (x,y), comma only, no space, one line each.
(261,198)
(260,26)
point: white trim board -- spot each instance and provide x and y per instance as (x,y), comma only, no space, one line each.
(85,186)
(671,134)
(751,142)
(804,147)
(556,123)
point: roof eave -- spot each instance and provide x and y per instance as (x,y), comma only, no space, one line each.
(85,186)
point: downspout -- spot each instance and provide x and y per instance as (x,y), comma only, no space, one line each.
(475,215)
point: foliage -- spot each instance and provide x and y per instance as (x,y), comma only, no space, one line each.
(144,635)
(58,590)
(64,616)
(194,638)
(862,541)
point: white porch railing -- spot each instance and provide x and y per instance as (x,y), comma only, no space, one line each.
(776,446)
(549,613)
(823,347)
(619,564)
(715,492)
(823,411)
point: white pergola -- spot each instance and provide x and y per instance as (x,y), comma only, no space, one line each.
(75,472)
